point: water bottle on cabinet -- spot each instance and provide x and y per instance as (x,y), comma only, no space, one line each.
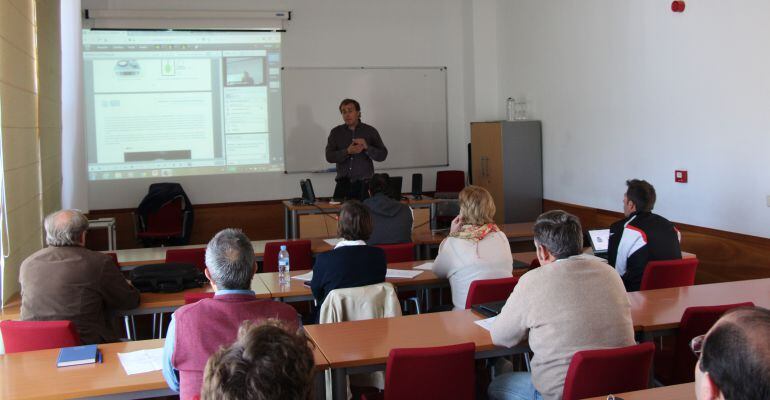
(283,266)
(510,103)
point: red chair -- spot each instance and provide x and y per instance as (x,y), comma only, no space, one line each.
(669,273)
(300,255)
(534,263)
(601,372)
(677,365)
(489,290)
(195,256)
(165,226)
(21,336)
(444,373)
(400,252)
(114,257)
(450,181)
(190,298)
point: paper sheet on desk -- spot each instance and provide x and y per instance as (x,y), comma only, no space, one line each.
(401,273)
(137,362)
(333,241)
(304,277)
(486,323)
(428,266)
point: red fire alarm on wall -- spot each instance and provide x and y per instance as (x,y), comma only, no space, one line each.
(680,176)
(677,6)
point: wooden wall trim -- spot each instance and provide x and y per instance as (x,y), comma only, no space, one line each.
(723,256)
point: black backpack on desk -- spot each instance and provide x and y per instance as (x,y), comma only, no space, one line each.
(166,277)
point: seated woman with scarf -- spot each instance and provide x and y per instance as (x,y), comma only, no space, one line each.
(475,248)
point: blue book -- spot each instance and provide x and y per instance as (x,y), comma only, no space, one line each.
(77,355)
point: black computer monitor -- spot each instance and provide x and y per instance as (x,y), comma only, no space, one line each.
(394,187)
(308,195)
(341,189)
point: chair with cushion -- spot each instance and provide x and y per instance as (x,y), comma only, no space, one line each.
(448,186)
(601,372)
(195,257)
(445,372)
(450,181)
(669,273)
(300,255)
(166,226)
(190,298)
(489,290)
(677,365)
(21,336)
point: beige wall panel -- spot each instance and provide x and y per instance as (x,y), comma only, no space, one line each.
(50,142)
(16,67)
(25,224)
(49,113)
(16,28)
(18,138)
(23,185)
(25,7)
(51,198)
(19,107)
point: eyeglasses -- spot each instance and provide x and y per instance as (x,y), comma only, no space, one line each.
(696,345)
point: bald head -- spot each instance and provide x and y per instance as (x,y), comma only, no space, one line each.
(736,353)
(65,228)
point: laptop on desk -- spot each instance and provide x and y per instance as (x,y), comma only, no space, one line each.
(489,309)
(600,242)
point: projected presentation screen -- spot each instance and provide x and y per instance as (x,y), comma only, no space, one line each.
(176,103)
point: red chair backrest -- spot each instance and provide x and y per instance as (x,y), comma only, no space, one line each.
(534,263)
(489,290)
(300,255)
(21,336)
(400,252)
(190,298)
(196,257)
(695,321)
(168,218)
(601,372)
(114,257)
(450,181)
(444,373)
(669,273)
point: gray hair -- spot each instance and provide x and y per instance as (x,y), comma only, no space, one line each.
(560,233)
(230,259)
(65,228)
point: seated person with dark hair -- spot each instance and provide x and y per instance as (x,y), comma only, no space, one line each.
(392,219)
(641,236)
(198,330)
(735,357)
(352,263)
(267,361)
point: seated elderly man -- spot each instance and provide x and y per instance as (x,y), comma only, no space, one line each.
(198,330)
(66,281)
(735,357)
(573,302)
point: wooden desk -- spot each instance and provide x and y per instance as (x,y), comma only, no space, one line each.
(527,256)
(685,391)
(658,312)
(33,375)
(317,220)
(297,291)
(366,344)
(130,258)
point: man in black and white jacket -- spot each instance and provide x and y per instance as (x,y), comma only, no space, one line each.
(641,236)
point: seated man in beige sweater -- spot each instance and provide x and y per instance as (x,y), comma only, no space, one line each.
(573,302)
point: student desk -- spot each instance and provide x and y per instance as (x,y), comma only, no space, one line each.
(658,312)
(130,258)
(685,391)
(33,375)
(319,219)
(526,257)
(297,291)
(363,346)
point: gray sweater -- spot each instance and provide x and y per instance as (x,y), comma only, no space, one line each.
(574,304)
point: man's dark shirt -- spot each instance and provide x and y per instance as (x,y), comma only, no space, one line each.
(638,239)
(355,166)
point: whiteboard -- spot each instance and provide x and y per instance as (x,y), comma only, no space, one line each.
(408,106)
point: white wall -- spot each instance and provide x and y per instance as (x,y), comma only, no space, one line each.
(333,33)
(628,89)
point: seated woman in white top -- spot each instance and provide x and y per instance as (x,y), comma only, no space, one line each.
(476,248)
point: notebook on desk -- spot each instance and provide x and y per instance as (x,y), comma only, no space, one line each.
(600,241)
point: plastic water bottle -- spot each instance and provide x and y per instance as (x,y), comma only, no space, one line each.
(283,266)
(509,108)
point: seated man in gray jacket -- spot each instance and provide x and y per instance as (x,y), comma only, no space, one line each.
(573,302)
(392,219)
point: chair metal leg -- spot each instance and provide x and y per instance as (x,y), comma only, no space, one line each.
(160,325)
(133,327)
(128,327)
(526,361)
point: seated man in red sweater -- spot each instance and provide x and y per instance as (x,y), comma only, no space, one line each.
(198,330)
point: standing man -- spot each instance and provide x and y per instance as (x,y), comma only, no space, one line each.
(354,144)
(66,281)
(641,236)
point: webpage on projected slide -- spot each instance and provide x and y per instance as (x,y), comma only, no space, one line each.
(182,103)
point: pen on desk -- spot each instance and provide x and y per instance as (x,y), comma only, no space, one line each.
(99,357)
